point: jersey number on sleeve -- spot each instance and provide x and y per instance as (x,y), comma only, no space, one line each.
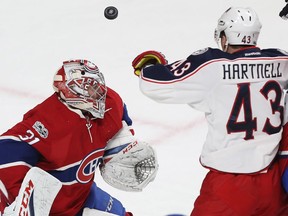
(29,137)
(243,101)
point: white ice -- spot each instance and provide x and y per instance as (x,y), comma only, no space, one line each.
(36,36)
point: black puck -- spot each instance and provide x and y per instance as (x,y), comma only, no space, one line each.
(111,12)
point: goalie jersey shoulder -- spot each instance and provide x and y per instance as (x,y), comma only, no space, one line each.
(47,129)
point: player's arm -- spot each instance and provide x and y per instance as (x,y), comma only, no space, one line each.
(16,158)
(127,163)
(284,12)
(184,81)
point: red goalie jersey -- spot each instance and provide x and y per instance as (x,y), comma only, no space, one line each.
(48,144)
(65,141)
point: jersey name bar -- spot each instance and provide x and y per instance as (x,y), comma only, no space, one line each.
(251,71)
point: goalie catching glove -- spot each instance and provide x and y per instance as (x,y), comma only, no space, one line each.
(150,57)
(132,168)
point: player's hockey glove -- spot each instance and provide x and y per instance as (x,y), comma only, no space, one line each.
(284,12)
(150,57)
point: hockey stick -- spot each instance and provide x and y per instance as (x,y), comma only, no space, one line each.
(37,193)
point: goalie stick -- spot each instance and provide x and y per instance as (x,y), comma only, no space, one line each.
(36,195)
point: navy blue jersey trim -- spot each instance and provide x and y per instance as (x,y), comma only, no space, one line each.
(15,151)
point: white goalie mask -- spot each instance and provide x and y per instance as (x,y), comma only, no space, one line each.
(81,85)
(240,25)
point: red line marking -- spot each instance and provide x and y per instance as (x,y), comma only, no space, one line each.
(23,94)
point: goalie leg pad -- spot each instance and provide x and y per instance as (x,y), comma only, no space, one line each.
(36,195)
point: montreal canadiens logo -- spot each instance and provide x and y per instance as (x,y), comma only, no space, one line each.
(88,166)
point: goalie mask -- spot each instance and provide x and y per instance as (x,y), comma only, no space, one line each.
(81,85)
(240,25)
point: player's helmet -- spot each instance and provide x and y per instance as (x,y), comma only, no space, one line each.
(240,25)
(81,85)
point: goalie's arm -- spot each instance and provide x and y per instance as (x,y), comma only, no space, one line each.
(16,159)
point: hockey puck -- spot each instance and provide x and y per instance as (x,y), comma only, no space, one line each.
(111,12)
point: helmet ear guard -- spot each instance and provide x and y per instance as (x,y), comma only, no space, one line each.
(240,25)
(81,85)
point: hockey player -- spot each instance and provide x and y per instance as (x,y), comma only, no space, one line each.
(83,125)
(240,90)
(284,12)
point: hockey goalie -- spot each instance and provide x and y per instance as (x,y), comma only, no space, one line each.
(48,160)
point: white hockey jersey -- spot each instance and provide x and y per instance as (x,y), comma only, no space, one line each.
(242,95)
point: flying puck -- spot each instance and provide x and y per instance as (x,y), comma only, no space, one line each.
(111,12)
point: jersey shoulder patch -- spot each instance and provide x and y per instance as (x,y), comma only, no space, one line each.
(200,51)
